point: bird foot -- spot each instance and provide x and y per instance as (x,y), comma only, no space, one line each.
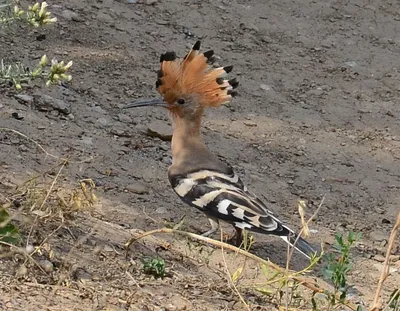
(235,239)
(209,232)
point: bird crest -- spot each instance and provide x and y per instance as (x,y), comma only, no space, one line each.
(195,75)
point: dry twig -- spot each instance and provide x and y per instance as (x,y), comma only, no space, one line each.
(230,278)
(386,264)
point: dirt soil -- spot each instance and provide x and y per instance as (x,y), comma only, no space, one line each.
(317,115)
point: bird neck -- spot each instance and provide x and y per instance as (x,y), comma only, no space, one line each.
(189,152)
(186,138)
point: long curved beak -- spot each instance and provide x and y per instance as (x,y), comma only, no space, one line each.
(146,102)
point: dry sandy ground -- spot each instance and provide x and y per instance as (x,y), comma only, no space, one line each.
(318,114)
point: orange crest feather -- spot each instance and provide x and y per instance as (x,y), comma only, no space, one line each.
(194,75)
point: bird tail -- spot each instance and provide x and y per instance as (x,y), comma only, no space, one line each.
(300,244)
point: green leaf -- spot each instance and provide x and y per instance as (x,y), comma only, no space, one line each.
(236,274)
(395,299)
(343,296)
(8,232)
(155,267)
(339,239)
(266,291)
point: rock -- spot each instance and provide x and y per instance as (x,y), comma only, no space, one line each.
(379,267)
(377,236)
(137,187)
(24,98)
(87,140)
(151,2)
(98,109)
(29,248)
(22,271)
(48,103)
(46,265)
(71,16)
(80,274)
(315,92)
(167,160)
(379,258)
(265,87)
(160,129)
(17,116)
(124,118)
(104,17)
(249,123)
(327,43)
(161,210)
(351,64)
(23,148)
(102,121)
(248,26)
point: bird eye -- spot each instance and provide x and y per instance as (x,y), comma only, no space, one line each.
(181,101)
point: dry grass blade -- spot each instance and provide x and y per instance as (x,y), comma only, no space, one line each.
(45,199)
(230,278)
(304,229)
(386,265)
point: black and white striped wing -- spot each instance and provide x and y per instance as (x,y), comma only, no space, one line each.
(225,197)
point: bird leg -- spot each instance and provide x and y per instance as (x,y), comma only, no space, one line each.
(238,236)
(214,227)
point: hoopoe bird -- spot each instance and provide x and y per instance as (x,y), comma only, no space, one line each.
(188,87)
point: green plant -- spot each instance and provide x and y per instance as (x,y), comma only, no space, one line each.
(36,15)
(8,232)
(17,73)
(338,267)
(154,267)
(394,300)
(248,241)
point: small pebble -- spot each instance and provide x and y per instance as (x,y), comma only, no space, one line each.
(46,265)
(379,258)
(137,188)
(29,248)
(249,123)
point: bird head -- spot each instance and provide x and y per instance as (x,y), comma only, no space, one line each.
(190,84)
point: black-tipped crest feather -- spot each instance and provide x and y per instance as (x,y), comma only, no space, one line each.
(197,45)
(228,69)
(168,57)
(232,93)
(220,80)
(208,54)
(233,83)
